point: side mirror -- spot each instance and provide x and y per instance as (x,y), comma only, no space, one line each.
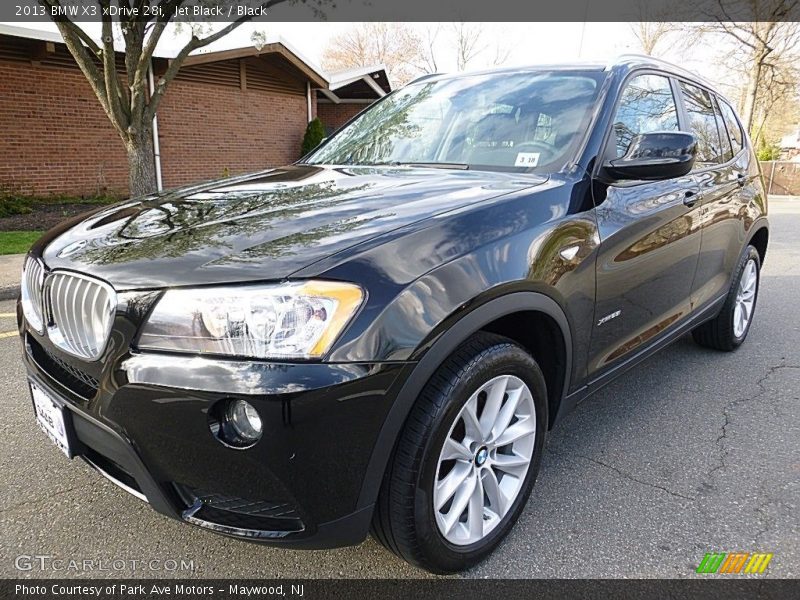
(656,155)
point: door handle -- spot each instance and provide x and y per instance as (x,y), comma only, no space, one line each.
(690,197)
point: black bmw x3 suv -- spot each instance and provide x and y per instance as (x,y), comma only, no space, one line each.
(380,336)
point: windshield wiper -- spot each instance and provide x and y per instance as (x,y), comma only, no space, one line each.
(437,165)
(432,165)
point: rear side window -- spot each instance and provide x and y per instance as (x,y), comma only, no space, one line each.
(703,125)
(727,148)
(646,105)
(734,130)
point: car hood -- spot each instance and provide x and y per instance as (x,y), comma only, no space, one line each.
(260,227)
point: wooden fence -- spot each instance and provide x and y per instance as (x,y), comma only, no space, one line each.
(781,177)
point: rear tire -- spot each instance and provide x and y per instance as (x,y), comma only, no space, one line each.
(729,328)
(497,381)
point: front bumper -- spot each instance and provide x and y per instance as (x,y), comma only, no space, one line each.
(141,420)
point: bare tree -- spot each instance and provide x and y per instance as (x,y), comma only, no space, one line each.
(427,62)
(124,96)
(760,45)
(653,26)
(408,52)
(660,22)
(649,34)
(502,49)
(462,41)
(777,105)
(394,45)
(468,40)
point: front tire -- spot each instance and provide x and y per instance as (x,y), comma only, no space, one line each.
(729,329)
(467,458)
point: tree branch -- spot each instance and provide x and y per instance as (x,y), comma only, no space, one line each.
(114,93)
(735,34)
(80,33)
(150,46)
(194,44)
(74,38)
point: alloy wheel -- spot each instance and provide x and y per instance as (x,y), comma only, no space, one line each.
(484,460)
(745,298)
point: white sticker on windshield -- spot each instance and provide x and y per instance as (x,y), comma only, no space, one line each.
(527,159)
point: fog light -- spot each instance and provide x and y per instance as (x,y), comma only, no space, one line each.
(244,420)
(235,423)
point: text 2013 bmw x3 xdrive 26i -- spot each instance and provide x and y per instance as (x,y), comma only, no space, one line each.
(381,335)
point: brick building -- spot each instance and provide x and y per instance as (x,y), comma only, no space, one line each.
(349,92)
(229,111)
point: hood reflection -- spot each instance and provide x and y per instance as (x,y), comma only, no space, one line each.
(266,226)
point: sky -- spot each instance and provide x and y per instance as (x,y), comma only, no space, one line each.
(526,43)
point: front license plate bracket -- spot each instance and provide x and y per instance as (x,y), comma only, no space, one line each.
(54,419)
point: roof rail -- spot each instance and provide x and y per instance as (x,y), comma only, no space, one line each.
(634,56)
(652,60)
(424,77)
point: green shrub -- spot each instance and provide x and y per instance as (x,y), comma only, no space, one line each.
(769,152)
(13,204)
(315,133)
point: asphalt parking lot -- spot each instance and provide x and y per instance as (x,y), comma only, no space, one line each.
(694,451)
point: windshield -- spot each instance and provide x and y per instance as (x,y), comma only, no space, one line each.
(521,121)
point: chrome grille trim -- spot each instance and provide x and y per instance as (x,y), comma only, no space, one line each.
(31,291)
(114,480)
(80,313)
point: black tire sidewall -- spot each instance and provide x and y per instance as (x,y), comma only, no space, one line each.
(504,359)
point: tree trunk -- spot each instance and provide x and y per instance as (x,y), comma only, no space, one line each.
(141,163)
(751,94)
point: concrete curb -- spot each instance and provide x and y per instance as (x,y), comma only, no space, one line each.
(9,293)
(10,268)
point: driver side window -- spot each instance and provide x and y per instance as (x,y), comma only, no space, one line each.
(646,105)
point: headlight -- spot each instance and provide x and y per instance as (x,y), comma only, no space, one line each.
(296,320)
